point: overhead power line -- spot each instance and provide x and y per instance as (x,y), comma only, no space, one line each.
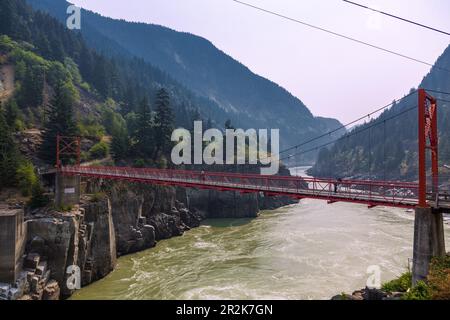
(443,100)
(344,126)
(341,35)
(437,91)
(397,17)
(368,127)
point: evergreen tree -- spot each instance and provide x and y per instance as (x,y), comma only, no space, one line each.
(12,114)
(60,120)
(6,17)
(144,132)
(38,197)
(120,144)
(164,122)
(10,157)
(32,87)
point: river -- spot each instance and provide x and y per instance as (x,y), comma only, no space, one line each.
(310,250)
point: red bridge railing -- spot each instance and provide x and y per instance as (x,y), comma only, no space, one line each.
(372,193)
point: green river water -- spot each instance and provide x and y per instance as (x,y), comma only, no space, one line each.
(309,250)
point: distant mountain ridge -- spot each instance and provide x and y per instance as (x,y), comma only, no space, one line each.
(249,100)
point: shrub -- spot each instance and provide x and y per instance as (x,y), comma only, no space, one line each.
(139,163)
(38,198)
(402,284)
(100,150)
(98,196)
(63,208)
(85,86)
(439,278)
(90,129)
(420,292)
(27,178)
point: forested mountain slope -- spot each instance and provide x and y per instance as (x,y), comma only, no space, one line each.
(249,100)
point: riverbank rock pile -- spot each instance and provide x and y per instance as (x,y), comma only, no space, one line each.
(369,294)
(39,285)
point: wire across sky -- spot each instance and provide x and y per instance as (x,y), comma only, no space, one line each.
(340,35)
(398,17)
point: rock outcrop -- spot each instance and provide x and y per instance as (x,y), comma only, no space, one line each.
(144,214)
(214,204)
(60,245)
(369,294)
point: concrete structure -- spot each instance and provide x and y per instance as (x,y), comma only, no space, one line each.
(429,241)
(12,244)
(67,190)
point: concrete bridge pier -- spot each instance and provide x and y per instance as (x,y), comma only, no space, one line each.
(429,241)
(67,190)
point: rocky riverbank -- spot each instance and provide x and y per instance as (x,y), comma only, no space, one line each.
(68,250)
(369,294)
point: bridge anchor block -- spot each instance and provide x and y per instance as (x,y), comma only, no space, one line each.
(67,190)
(429,241)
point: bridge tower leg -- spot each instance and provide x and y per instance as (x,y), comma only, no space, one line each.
(67,188)
(429,239)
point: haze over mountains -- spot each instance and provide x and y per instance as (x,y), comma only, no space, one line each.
(247,99)
(386,147)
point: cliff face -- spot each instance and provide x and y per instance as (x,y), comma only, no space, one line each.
(144,214)
(213,204)
(60,245)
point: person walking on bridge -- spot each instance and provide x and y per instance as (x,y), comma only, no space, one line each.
(337,183)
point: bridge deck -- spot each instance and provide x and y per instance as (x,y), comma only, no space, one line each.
(371,193)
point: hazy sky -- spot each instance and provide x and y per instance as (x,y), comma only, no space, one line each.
(332,76)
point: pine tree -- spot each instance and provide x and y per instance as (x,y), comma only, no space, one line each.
(38,197)
(120,145)
(164,122)
(6,17)
(10,157)
(32,87)
(60,120)
(11,113)
(144,133)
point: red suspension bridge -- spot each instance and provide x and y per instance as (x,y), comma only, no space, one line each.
(425,196)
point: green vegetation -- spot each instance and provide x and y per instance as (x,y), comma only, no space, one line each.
(421,291)
(439,278)
(144,135)
(38,198)
(10,157)
(91,129)
(164,122)
(401,284)
(98,196)
(53,64)
(437,286)
(60,120)
(27,178)
(63,208)
(99,151)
